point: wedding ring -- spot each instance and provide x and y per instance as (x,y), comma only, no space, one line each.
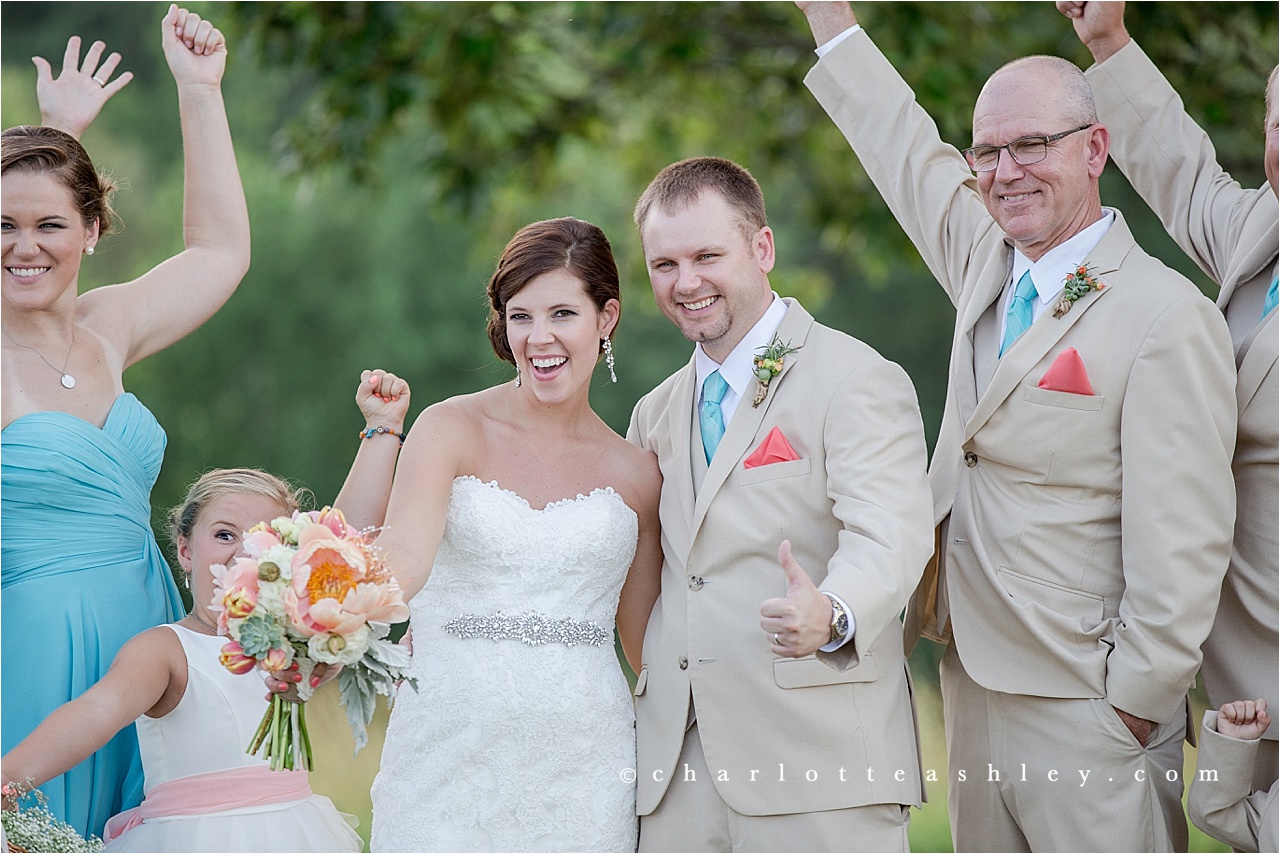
(99,82)
(775,640)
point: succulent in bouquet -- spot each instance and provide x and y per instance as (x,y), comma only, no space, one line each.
(310,588)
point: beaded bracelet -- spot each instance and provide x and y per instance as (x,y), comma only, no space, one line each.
(374,431)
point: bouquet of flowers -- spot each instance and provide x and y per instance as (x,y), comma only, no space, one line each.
(310,589)
(34,828)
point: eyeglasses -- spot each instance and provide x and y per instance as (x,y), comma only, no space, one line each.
(1025,151)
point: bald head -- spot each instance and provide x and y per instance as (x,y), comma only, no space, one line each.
(1045,79)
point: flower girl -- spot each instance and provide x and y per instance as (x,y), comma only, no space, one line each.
(194,717)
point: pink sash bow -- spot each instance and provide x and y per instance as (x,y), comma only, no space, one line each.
(202,794)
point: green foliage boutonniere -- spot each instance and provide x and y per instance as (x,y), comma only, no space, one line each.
(768,365)
(1076,285)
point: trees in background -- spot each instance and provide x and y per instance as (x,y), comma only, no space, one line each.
(390,149)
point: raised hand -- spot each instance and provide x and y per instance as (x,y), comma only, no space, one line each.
(827,19)
(72,101)
(800,622)
(1098,23)
(1244,719)
(195,49)
(383,399)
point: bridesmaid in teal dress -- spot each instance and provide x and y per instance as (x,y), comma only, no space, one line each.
(81,572)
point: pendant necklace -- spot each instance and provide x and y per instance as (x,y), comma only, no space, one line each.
(68,381)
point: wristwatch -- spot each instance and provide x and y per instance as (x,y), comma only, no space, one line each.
(839,620)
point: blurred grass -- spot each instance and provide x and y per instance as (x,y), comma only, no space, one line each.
(346,781)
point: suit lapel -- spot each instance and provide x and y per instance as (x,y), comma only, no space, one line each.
(1025,353)
(680,425)
(1256,361)
(747,419)
(966,382)
(1259,235)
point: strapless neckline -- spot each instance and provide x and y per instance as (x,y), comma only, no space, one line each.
(606,491)
(76,418)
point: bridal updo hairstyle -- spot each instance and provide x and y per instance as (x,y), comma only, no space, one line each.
(573,245)
(45,150)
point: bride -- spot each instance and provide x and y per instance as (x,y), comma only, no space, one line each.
(519,523)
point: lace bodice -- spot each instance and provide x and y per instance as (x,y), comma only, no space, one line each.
(499,554)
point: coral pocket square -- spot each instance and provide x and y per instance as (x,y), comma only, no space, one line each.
(774,449)
(1067,374)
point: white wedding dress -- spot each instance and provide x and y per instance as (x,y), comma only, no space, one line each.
(521,736)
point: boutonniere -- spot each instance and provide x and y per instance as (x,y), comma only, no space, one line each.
(1074,286)
(768,365)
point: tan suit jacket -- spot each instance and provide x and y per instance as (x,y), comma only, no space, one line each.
(1231,233)
(1226,807)
(855,506)
(1088,535)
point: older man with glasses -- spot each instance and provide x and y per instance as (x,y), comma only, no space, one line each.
(1082,478)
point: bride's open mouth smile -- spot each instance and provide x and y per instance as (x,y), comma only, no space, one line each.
(547,367)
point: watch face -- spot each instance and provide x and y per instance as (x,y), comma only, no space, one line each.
(841,626)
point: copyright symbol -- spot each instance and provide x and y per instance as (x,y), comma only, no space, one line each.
(628,775)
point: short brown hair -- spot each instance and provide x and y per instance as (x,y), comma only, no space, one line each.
(681,184)
(219,482)
(28,148)
(569,244)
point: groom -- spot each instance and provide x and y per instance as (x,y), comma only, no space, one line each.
(774,709)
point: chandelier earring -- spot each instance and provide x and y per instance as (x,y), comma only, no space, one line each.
(517,376)
(608,359)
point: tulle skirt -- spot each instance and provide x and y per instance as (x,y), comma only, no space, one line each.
(310,825)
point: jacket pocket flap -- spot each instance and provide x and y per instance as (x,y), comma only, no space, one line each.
(808,672)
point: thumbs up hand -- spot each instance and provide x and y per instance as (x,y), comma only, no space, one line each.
(800,622)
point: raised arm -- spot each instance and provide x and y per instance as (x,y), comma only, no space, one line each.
(141,679)
(173,299)
(827,19)
(432,457)
(383,399)
(924,181)
(73,100)
(1099,25)
(1166,156)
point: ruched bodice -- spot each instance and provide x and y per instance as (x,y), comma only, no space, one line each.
(521,736)
(81,573)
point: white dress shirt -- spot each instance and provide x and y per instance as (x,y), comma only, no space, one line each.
(1049,274)
(738,370)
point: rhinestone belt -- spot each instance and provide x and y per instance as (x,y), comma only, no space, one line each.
(531,628)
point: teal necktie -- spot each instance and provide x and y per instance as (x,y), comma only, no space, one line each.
(710,418)
(1272,296)
(1020,315)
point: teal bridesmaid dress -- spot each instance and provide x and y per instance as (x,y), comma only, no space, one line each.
(80,574)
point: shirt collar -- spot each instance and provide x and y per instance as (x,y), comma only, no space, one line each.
(738,369)
(1049,273)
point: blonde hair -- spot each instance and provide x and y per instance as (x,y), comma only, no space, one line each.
(219,482)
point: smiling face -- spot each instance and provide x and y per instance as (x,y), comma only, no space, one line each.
(43,240)
(554,331)
(216,536)
(1043,204)
(708,277)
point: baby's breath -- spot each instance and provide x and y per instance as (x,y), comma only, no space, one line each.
(34,828)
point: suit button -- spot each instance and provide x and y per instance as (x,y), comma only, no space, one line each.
(695,583)
(684,663)
(970,459)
